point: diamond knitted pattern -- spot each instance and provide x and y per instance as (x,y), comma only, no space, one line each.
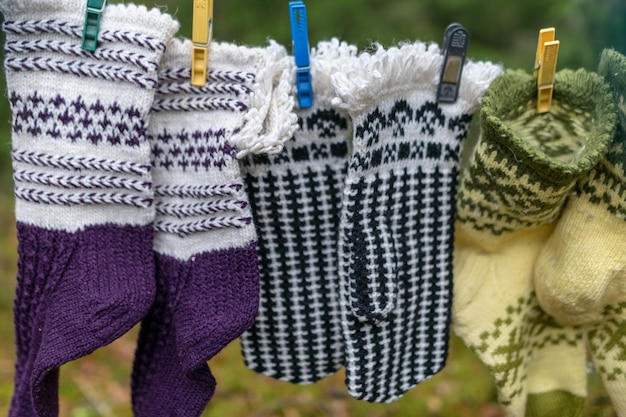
(521,172)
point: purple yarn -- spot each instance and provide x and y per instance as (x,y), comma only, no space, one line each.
(201,306)
(75,293)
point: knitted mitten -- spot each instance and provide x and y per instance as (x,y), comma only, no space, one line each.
(396,231)
(581,269)
(206,264)
(296,201)
(607,190)
(82,183)
(521,172)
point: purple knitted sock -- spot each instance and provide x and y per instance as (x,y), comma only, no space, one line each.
(82,183)
(207,269)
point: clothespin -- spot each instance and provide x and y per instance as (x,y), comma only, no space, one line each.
(545,68)
(202,35)
(300,39)
(455,44)
(93,15)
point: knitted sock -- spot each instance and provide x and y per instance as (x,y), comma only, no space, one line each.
(396,231)
(581,268)
(608,352)
(521,172)
(82,183)
(607,338)
(296,201)
(206,263)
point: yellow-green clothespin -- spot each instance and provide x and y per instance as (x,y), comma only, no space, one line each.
(545,68)
(202,34)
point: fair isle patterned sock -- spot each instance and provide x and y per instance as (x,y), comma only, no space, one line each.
(206,264)
(580,270)
(607,337)
(396,230)
(523,168)
(84,200)
(296,201)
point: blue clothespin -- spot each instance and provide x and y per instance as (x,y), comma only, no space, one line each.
(455,44)
(93,15)
(300,39)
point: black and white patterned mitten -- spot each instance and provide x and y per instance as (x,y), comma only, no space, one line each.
(296,201)
(396,233)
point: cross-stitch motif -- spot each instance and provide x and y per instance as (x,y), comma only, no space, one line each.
(513,340)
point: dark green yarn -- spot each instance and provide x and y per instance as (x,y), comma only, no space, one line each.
(613,68)
(525,163)
(513,93)
(605,185)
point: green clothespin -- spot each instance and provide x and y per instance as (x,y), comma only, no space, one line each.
(93,15)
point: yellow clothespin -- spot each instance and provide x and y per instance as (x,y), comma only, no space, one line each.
(545,68)
(202,34)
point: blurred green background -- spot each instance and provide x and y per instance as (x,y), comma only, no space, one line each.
(504,31)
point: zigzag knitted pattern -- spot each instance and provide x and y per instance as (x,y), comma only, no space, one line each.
(580,269)
(519,177)
(608,351)
(605,186)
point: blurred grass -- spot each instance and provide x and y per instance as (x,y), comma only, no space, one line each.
(502,30)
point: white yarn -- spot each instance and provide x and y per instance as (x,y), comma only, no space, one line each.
(385,72)
(327,58)
(270,122)
(281,121)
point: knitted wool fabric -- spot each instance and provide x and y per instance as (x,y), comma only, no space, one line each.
(607,190)
(296,201)
(521,172)
(84,202)
(581,269)
(206,265)
(396,229)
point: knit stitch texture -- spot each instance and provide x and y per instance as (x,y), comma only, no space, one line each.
(521,172)
(396,229)
(83,184)
(296,201)
(606,190)
(206,265)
